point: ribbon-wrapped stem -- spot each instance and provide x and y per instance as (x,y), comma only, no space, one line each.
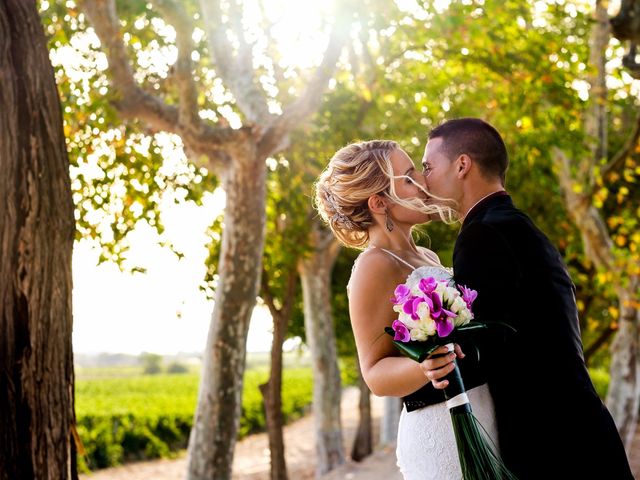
(454,392)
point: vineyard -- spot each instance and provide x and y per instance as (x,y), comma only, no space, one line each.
(122,419)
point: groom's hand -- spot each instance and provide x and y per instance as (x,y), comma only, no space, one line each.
(439,364)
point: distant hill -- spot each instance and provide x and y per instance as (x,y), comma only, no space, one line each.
(86,360)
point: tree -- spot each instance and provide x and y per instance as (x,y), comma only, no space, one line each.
(37,420)
(151,363)
(279,291)
(583,178)
(236,156)
(285,243)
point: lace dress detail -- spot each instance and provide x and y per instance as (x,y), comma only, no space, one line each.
(426,447)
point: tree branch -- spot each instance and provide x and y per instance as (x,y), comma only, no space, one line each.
(236,71)
(135,102)
(187,91)
(596,119)
(244,51)
(598,342)
(290,292)
(312,96)
(626,150)
(597,242)
(138,104)
(267,295)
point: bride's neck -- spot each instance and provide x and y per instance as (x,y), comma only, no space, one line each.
(394,241)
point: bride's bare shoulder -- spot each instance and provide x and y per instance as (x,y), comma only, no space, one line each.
(373,266)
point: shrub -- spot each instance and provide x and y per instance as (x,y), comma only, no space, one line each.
(141,417)
(177,367)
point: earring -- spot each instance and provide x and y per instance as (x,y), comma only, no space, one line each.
(387,221)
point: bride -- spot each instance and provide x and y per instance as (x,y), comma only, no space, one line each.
(371,196)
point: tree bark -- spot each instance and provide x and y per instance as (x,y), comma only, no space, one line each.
(390,420)
(315,273)
(217,419)
(622,397)
(272,390)
(272,395)
(363,443)
(36,241)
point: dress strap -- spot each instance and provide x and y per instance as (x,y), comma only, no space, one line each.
(398,258)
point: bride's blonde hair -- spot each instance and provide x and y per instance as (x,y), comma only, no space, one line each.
(353,174)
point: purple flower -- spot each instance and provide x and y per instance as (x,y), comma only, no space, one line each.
(401,294)
(468,295)
(427,285)
(444,324)
(411,307)
(435,305)
(444,328)
(402,332)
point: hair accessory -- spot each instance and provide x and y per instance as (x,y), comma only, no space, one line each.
(346,221)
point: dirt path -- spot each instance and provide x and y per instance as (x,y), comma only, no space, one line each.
(251,461)
(252,454)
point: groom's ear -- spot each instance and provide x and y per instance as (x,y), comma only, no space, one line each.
(377,204)
(463,165)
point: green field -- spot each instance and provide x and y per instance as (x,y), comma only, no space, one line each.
(124,416)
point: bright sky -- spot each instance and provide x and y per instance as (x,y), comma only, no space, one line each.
(161,311)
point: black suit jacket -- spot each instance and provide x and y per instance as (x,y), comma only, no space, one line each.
(551,423)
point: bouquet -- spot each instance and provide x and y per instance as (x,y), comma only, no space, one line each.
(433,311)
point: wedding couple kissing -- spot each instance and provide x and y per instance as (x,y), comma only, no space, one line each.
(530,390)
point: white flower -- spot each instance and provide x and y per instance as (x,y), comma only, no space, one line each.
(423,329)
(429,326)
(458,305)
(464,316)
(450,295)
(406,319)
(417,334)
(424,312)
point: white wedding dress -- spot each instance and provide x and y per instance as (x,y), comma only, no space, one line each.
(426,446)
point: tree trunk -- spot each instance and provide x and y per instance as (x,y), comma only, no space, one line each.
(390,420)
(624,386)
(363,443)
(315,273)
(36,240)
(272,395)
(217,419)
(622,397)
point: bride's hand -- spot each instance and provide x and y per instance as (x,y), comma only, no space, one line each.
(439,364)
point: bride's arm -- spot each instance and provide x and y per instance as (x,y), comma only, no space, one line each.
(385,372)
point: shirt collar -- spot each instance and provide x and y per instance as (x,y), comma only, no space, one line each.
(482,200)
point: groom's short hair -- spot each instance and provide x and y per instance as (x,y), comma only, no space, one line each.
(479,140)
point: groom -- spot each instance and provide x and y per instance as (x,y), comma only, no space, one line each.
(551,423)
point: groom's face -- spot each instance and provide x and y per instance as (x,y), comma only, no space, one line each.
(439,171)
